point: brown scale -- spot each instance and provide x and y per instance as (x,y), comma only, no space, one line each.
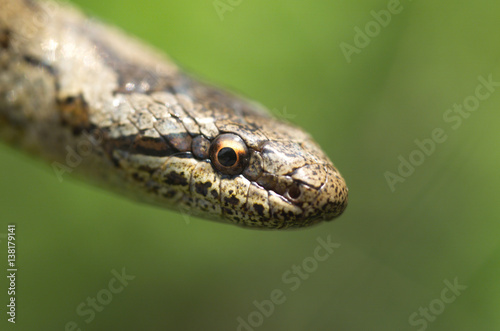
(5,38)
(151,146)
(174,132)
(200,147)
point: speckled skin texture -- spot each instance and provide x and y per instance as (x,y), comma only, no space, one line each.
(94,101)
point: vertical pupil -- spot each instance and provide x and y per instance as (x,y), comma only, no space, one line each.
(227,157)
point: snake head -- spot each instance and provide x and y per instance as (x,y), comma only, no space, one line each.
(235,164)
(148,130)
(258,172)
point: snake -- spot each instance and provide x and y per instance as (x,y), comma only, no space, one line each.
(102,105)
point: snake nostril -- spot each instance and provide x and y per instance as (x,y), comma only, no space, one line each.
(294,192)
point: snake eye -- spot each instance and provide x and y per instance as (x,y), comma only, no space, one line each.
(229,154)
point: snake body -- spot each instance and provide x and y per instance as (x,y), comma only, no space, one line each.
(97,102)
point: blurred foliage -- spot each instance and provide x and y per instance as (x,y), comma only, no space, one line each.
(397,248)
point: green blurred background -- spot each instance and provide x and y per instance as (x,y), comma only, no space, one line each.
(397,249)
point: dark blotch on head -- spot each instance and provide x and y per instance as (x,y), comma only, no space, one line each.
(232,200)
(259,208)
(174,178)
(228,211)
(202,188)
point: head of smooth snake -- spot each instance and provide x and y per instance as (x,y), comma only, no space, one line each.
(244,167)
(156,133)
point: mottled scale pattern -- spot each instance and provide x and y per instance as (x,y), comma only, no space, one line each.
(68,81)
